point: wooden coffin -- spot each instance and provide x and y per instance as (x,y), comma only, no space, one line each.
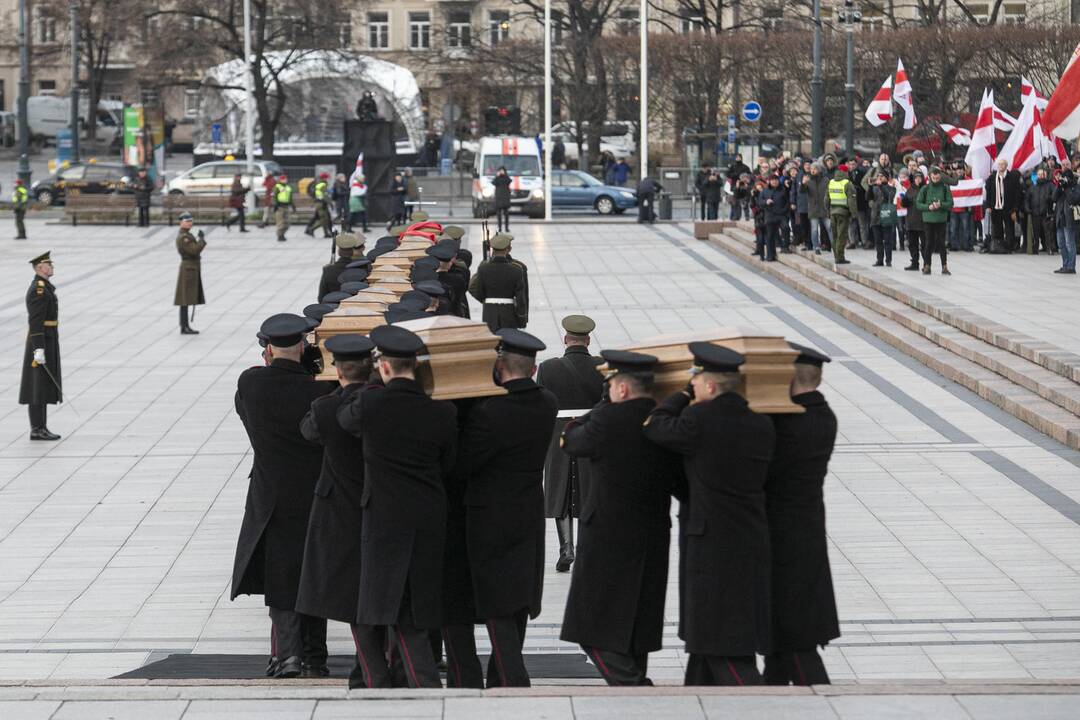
(388,272)
(460,357)
(375,298)
(383,261)
(343,321)
(767,372)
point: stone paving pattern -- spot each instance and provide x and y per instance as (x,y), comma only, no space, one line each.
(953,526)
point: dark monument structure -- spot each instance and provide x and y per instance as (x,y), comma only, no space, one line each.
(374,138)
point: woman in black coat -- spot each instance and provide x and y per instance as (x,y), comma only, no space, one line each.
(398,190)
(501,181)
(711,190)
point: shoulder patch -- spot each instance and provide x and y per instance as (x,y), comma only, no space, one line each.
(41,283)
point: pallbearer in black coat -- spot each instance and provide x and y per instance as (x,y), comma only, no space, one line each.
(271,402)
(409,442)
(726,449)
(577,384)
(502,455)
(456,287)
(330,579)
(803,604)
(348,245)
(615,609)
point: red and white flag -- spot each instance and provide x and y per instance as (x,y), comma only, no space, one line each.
(1028,93)
(1027,145)
(957,135)
(1062,116)
(879,111)
(358,173)
(983,149)
(1003,120)
(968,193)
(902,95)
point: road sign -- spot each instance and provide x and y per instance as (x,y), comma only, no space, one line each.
(731,134)
(215,133)
(730,121)
(751,111)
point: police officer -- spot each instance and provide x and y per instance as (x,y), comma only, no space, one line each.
(41,360)
(578,385)
(504,441)
(189,289)
(330,578)
(347,245)
(842,206)
(726,449)
(321,216)
(20,200)
(499,284)
(283,203)
(615,609)
(271,402)
(409,442)
(803,603)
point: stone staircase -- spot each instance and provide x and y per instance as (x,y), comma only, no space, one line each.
(1028,378)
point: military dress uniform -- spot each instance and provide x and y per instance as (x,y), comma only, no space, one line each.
(189,289)
(803,603)
(578,385)
(499,283)
(615,607)
(329,280)
(409,442)
(271,402)
(726,449)
(41,381)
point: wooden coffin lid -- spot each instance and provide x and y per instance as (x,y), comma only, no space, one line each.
(460,354)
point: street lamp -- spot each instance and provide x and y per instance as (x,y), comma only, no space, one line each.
(73,10)
(23,169)
(850,16)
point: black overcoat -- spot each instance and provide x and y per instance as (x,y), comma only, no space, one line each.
(501,278)
(803,603)
(41,385)
(328,281)
(409,442)
(503,448)
(271,402)
(617,590)
(726,449)
(330,578)
(577,385)
(456,292)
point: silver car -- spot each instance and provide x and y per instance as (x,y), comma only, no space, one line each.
(215,178)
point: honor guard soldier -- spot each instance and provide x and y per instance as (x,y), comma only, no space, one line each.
(504,440)
(578,385)
(409,441)
(271,402)
(189,289)
(41,360)
(499,284)
(615,609)
(320,191)
(347,245)
(456,287)
(283,204)
(726,449)
(803,603)
(20,200)
(330,578)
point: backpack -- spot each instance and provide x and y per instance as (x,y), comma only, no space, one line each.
(887,214)
(311,187)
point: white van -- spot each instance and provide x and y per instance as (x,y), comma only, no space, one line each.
(47,114)
(521,158)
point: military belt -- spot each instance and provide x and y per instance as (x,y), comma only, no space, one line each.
(499,301)
(51,323)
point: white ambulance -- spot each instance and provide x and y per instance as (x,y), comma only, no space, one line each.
(522,159)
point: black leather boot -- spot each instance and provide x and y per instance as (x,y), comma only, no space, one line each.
(564,526)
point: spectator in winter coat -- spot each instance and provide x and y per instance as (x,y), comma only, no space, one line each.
(737,169)
(802,211)
(621,172)
(1066,199)
(712,190)
(881,205)
(773,202)
(817,206)
(1040,208)
(914,226)
(935,201)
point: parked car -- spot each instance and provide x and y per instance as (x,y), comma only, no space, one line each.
(215,178)
(574,188)
(87,178)
(617,138)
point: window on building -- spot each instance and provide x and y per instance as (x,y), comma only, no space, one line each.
(378,30)
(690,22)
(46,30)
(1014,13)
(149,28)
(981,11)
(873,20)
(419,30)
(344,32)
(499,26)
(772,18)
(46,87)
(191,102)
(458,29)
(149,96)
(556,28)
(627,21)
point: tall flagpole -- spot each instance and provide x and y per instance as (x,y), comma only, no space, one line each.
(643,93)
(547,111)
(249,96)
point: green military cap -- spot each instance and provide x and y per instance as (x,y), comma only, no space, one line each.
(578,324)
(420,216)
(397,230)
(42,258)
(501,241)
(455,232)
(348,241)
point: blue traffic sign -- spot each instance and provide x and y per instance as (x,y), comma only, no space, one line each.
(751,111)
(215,133)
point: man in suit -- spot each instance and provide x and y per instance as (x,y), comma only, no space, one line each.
(408,445)
(726,449)
(1002,198)
(577,385)
(271,401)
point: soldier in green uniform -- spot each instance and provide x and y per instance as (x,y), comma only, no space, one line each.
(41,361)
(321,217)
(189,290)
(20,199)
(348,245)
(499,283)
(283,203)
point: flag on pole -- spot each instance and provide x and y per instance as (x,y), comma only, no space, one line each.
(902,95)
(957,135)
(879,111)
(968,193)
(1026,146)
(983,149)
(1003,120)
(359,171)
(1062,116)
(1028,93)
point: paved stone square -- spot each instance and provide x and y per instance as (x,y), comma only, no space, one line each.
(116,543)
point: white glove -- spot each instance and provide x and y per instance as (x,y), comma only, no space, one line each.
(39,356)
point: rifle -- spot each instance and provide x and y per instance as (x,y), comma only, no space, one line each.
(487,238)
(333,244)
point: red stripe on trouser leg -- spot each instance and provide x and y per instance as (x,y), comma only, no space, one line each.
(798,666)
(498,654)
(363,659)
(600,663)
(405,654)
(733,673)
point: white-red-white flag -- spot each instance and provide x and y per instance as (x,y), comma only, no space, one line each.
(1062,116)
(358,173)
(957,135)
(983,149)
(1026,146)
(1028,93)
(968,193)
(902,95)
(879,111)
(1003,120)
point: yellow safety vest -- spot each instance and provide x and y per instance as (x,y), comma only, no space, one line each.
(838,192)
(320,190)
(20,197)
(283,194)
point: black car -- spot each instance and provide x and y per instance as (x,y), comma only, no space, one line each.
(89,178)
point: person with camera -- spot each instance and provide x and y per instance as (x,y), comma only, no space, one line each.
(711,191)
(1066,214)
(189,289)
